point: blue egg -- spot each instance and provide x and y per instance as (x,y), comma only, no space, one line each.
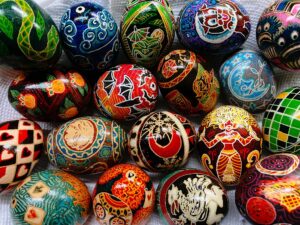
(248,82)
(90,36)
(215,27)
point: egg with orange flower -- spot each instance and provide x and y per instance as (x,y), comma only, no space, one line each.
(51,96)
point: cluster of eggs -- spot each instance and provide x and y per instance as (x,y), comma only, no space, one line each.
(229,138)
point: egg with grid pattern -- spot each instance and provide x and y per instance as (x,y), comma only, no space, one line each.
(281,122)
(21,146)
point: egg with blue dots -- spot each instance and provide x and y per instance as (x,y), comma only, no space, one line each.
(278,34)
(90,36)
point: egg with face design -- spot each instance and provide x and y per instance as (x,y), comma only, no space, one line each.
(90,36)
(278,34)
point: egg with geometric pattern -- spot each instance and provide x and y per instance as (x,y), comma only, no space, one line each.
(281,123)
(50,197)
(21,146)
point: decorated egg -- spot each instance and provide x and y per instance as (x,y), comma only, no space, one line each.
(281,123)
(124,194)
(218,27)
(126,92)
(29,39)
(21,145)
(191,196)
(86,145)
(90,36)
(50,197)
(230,142)
(147,32)
(161,141)
(269,191)
(278,34)
(248,82)
(49,96)
(186,83)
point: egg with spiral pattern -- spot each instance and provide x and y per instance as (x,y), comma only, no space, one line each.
(90,36)
(269,191)
(278,34)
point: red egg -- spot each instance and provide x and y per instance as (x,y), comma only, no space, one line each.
(126,92)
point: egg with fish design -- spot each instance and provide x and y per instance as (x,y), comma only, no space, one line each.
(29,39)
(278,34)
(54,95)
(90,36)
(21,146)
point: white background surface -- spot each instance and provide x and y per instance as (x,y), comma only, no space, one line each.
(56,8)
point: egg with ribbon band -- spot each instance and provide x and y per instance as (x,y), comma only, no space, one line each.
(50,197)
(29,39)
(187,83)
(147,32)
(269,191)
(126,92)
(248,82)
(49,96)
(278,34)
(191,196)
(161,141)
(218,27)
(90,36)
(124,194)
(86,145)
(281,122)
(230,142)
(21,145)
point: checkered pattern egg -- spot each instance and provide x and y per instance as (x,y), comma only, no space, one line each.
(50,197)
(86,145)
(229,142)
(161,141)
(90,36)
(50,96)
(278,34)
(126,92)
(124,194)
(21,145)
(269,191)
(248,82)
(191,196)
(281,123)
(186,83)
(147,32)
(217,27)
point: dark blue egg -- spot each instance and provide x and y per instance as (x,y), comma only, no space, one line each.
(90,36)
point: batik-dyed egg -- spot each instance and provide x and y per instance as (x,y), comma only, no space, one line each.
(124,194)
(191,197)
(90,36)
(126,92)
(29,39)
(161,141)
(86,145)
(269,191)
(281,123)
(248,82)
(218,27)
(278,34)
(230,142)
(21,144)
(147,32)
(50,197)
(186,83)
(49,96)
